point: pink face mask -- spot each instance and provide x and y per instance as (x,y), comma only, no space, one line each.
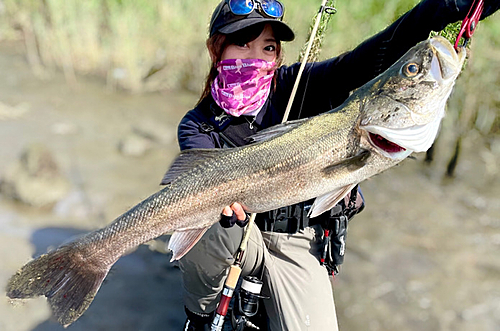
(243,85)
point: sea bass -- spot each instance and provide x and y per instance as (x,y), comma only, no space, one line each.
(323,157)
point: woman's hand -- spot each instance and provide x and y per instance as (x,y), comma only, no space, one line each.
(234,214)
(437,14)
(450,11)
(490,7)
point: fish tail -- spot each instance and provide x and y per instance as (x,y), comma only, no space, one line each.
(68,280)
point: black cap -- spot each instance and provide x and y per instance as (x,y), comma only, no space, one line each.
(224,21)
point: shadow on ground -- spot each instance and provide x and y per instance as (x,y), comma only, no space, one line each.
(144,284)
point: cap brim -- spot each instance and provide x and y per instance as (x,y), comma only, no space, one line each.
(281,30)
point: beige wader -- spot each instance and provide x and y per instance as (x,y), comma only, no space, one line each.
(299,287)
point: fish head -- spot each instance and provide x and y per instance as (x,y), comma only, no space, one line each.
(402,108)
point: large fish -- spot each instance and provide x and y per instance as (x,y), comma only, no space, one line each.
(381,123)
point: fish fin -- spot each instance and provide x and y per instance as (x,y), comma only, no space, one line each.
(329,200)
(68,281)
(352,163)
(275,130)
(188,160)
(182,241)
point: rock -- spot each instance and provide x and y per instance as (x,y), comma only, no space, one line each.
(35,179)
(134,145)
(74,205)
(144,136)
(8,112)
(156,132)
(64,128)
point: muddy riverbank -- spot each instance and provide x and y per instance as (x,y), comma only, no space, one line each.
(422,256)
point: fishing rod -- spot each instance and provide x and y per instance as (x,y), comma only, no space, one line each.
(235,269)
(322,9)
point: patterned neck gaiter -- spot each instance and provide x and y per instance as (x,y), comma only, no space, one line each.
(243,85)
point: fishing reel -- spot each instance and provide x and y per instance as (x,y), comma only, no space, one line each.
(247,304)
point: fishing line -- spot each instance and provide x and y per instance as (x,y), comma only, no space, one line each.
(322,9)
(305,58)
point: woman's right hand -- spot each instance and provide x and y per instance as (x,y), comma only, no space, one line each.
(234,214)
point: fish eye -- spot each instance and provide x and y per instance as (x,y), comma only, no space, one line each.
(411,69)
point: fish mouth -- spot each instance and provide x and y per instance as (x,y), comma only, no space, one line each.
(446,62)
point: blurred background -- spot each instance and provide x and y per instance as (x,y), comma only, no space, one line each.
(91,93)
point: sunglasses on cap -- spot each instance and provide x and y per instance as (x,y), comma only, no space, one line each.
(271,8)
(234,15)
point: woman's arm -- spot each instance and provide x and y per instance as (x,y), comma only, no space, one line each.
(328,83)
(190,132)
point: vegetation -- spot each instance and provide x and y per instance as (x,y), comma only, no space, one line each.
(153,45)
(145,45)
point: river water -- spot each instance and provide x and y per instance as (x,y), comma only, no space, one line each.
(422,256)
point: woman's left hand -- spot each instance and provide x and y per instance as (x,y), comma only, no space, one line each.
(463,6)
(234,214)
(458,9)
(440,13)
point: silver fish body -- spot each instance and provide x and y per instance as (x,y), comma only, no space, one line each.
(323,157)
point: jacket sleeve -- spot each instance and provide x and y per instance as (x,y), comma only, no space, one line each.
(325,85)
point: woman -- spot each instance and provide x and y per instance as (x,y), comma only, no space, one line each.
(247,90)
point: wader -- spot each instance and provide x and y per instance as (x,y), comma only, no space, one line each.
(298,287)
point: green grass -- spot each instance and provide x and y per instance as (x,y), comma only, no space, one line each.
(125,41)
(152,45)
